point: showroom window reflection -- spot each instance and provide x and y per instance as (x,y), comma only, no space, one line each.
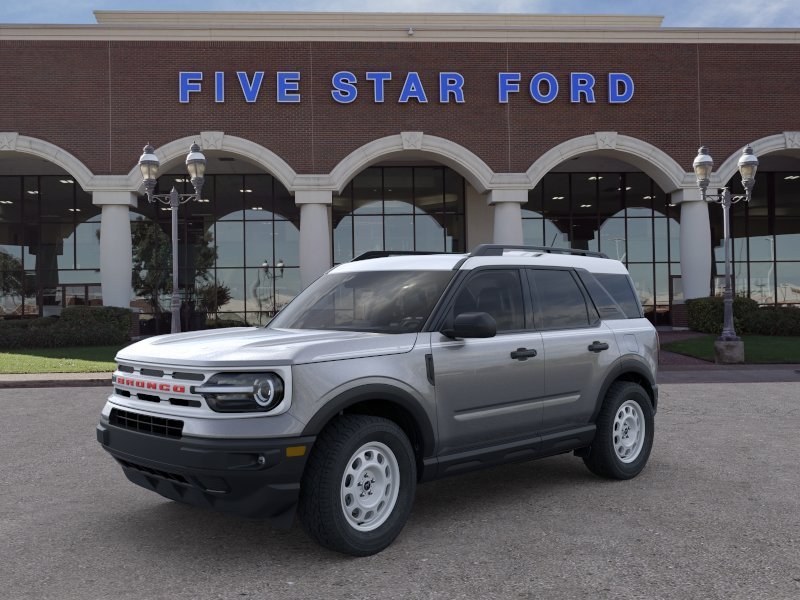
(766,240)
(238,253)
(624,215)
(399,208)
(49,246)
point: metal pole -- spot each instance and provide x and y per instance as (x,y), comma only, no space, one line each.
(728,331)
(175,306)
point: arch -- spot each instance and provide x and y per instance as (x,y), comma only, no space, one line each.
(218,140)
(444,151)
(13,142)
(657,164)
(781,142)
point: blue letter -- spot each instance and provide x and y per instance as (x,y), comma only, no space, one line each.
(288,86)
(345,91)
(536,88)
(412,88)
(188,81)
(451,83)
(378,77)
(219,86)
(507,83)
(614,81)
(250,90)
(581,83)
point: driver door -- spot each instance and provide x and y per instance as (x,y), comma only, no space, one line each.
(484,396)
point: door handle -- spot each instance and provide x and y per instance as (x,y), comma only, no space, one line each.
(523,353)
(598,346)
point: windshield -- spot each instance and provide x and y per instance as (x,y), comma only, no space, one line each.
(376,301)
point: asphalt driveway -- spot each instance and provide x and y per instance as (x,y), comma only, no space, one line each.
(716,514)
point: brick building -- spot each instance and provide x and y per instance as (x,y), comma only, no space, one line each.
(328,135)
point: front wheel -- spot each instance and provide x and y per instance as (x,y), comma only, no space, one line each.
(359,485)
(624,433)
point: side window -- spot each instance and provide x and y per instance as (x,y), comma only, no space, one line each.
(606,305)
(561,302)
(497,292)
(621,290)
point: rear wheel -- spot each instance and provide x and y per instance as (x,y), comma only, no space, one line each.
(624,433)
(359,485)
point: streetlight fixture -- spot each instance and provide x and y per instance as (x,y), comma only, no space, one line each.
(277,271)
(729,348)
(196,165)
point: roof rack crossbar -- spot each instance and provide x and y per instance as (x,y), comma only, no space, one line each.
(497,250)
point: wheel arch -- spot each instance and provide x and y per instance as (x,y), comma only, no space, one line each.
(632,370)
(381,400)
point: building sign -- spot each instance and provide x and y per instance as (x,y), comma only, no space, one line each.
(346,87)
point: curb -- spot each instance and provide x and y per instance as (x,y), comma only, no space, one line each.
(55,383)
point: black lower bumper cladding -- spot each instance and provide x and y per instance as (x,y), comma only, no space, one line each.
(255,478)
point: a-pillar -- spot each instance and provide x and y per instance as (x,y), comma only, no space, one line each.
(116,255)
(695,243)
(508,215)
(315,233)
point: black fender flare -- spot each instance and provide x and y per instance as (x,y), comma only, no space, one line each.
(623,366)
(380,392)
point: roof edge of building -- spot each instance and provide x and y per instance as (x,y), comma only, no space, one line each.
(347,20)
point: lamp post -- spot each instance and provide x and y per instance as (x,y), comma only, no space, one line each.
(270,274)
(196,165)
(729,348)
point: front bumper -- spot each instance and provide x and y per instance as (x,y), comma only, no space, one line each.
(254,478)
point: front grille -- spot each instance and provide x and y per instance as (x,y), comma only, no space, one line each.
(157,472)
(170,428)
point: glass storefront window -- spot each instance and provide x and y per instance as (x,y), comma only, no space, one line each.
(399,208)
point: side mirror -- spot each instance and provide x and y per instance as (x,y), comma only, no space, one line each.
(472,325)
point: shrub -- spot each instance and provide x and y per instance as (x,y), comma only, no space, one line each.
(783,320)
(706,314)
(77,326)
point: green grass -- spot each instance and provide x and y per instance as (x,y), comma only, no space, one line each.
(91,359)
(758,349)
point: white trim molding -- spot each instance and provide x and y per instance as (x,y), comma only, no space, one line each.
(787,142)
(656,163)
(11,141)
(442,150)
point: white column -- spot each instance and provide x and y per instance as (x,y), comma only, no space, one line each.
(116,255)
(695,243)
(508,215)
(315,233)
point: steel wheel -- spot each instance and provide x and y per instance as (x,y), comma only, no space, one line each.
(358,486)
(624,436)
(370,485)
(629,431)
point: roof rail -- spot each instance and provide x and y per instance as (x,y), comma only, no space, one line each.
(384,253)
(497,250)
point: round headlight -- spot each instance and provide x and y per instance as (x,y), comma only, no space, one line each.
(264,392)
(242,392)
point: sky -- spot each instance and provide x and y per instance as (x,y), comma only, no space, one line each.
(677,13)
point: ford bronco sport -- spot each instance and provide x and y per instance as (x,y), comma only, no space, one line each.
(389,371)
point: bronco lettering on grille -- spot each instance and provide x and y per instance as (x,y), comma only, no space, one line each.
(151,385)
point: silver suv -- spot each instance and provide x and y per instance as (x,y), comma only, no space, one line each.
(389,371)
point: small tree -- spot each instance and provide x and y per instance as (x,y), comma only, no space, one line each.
(152,262)
(12,278)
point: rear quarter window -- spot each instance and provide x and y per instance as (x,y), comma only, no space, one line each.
(620,289)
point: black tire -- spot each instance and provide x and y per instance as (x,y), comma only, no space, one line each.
(321,507)
(602,459)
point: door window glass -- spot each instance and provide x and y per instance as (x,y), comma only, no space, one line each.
(496,292)
(561,302)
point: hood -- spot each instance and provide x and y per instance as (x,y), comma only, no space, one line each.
(253,346)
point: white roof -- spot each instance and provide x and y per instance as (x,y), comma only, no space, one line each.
(446,262)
